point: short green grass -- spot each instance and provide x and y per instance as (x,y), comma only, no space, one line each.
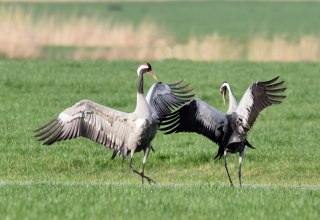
(190,183)
(242,19)
(116,201)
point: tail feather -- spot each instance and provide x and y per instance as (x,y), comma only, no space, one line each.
(248,144)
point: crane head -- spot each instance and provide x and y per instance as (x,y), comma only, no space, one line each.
(223,91)
(146,68)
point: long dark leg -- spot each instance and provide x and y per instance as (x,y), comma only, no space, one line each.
(131,167)
(146,152)
(226,166)
(241,158)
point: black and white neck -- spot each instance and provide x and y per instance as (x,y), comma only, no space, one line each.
(232,100)
(143,68)
(142,106)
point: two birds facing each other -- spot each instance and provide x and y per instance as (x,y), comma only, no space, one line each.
(171,106)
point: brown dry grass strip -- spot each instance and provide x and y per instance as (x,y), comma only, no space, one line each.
(21,37)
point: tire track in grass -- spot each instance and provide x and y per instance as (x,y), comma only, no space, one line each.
(100,184)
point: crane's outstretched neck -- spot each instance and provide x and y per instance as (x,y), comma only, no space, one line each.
(142,107)
(140,83)
(232,101)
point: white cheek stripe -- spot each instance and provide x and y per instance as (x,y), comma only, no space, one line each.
(226,85)
(141,67)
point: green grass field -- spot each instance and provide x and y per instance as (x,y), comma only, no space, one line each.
(54,201)
(77,179)
(196,19)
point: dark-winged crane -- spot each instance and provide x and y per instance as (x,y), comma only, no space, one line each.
(229,130)
(125,133)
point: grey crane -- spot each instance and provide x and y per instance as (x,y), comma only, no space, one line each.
(229,130)
(125,133)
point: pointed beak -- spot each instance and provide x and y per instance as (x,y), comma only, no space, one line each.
(224,100)
(153,75)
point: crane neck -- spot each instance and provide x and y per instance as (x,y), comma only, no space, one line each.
(142,107)
(140,83)
(232,101)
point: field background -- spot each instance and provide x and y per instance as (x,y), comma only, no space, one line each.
(45,68)
(205,30)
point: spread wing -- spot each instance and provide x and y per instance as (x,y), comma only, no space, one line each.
(258,96)
(88,119)
(197,116)
(163,98)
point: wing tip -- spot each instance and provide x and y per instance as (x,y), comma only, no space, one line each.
(47,133)
(177,83)
(46,125)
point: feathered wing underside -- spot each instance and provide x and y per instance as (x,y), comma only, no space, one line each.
(258,96)
(163,98)
(88,119)
(199,117)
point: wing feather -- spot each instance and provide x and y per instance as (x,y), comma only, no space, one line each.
(50,123)
(164,98)
(91,120)
(258,96)
(199,117)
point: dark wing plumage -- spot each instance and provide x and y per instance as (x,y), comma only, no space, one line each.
(103,125)
(258,96)
(197,116)
(163,98)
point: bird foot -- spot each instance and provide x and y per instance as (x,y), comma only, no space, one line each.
(150,181)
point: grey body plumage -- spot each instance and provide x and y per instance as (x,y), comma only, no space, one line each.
(229,130)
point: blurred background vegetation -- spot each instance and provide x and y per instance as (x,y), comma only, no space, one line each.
(193,30)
